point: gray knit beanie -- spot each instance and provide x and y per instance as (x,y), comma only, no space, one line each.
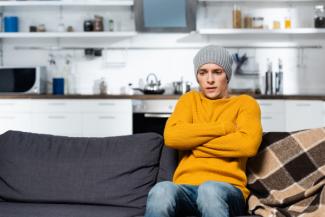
(214,54)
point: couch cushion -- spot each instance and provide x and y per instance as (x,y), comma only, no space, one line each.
(117,171)
(65,210)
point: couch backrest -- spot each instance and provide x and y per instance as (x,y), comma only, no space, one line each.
(116,171)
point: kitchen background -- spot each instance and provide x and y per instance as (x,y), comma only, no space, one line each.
(128,56)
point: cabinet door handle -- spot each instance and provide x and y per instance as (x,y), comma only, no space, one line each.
(156,115)
(106,104)
(266,104)
(7,117)
(303,104)
(267,118)
(57,117)
(106,117)
(7,104)
(57,104)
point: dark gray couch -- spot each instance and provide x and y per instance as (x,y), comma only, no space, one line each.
(54,176)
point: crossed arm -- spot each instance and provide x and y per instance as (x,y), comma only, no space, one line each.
(216,139)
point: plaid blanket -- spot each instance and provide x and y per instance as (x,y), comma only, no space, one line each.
(287,177)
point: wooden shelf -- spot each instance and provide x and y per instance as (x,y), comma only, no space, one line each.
(66,34)
(298,31)
(68,3)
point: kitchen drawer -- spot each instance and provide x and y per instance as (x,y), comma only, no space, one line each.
(272,122)
(274,106)
(15,121)
(19,105)
(107,124)
(154,106)
(49,106)
(303,114)
(63,124)
(106,106)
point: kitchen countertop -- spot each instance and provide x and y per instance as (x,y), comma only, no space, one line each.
(145,97)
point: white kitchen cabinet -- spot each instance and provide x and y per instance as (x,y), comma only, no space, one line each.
(15,105)
(56,117)
(107,124)
(103,118)
(14,121)
(14,115)
(106,105)
(303,114)
(55,106)
(63,124)
(67,117)
(272,115)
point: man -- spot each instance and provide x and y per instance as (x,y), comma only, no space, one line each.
(215,133)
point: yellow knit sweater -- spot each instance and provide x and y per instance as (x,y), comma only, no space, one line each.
(215,138)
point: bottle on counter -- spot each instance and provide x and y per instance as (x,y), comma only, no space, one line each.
(70,77)
(51,72)
(56,77)
(269,79)
(279,79)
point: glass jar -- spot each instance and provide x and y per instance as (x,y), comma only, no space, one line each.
(287,23)
(276,24)
(248,22)
(88,25)
(236,17)
(258,22)
(98,23)
(319,16)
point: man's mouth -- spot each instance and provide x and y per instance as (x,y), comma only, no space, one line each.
(211,88)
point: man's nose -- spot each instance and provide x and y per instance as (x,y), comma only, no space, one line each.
(210,78)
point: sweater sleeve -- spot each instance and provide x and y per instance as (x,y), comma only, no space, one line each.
(244,142)
(182,134)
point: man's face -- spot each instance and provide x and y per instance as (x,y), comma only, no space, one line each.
(213,81)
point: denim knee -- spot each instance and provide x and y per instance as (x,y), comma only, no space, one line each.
(215,190)
(162,197)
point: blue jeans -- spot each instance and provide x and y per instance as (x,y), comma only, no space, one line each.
(210,199)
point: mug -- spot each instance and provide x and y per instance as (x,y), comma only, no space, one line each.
(58,86)
(11,23)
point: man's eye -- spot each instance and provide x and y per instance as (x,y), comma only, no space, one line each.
(201,72)
(218,72)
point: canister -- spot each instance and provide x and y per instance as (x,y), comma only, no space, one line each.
(11,24)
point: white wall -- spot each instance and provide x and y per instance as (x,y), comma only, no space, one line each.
(170,55)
